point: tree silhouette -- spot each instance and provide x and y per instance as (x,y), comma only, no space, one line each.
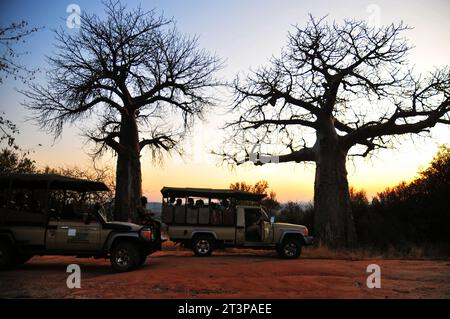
(133,74)
(270,202)
(13,159)
(335,91)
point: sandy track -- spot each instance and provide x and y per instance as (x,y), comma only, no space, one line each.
(228,274)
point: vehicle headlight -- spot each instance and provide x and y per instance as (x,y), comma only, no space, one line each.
(147,233)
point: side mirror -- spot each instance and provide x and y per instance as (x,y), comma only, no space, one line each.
(86,218)
(272,219)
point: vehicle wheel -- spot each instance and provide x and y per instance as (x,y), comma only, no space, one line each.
(5,255)
(125,257)
(202,246)
(290,249)
(21,259)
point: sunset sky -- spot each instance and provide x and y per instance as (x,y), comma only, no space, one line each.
(245,34)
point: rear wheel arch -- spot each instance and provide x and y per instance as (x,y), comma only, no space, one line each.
(204,234)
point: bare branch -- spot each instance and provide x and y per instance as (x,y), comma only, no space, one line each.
(132,66)
(348,83)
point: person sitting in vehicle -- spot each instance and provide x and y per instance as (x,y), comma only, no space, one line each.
(35,206)
(19,201)
(253,230)
(144,201)
(199,203)
(143,212)
(68,211)
(190,202)
(178,202)
(224,203)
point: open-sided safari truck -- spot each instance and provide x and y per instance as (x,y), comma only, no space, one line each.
(46,214)
(206,218)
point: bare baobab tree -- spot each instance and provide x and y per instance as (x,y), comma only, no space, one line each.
(335,91)
(136,78)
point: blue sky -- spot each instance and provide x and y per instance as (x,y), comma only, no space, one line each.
(245,34)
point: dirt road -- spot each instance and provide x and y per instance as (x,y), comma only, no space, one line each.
(228,274)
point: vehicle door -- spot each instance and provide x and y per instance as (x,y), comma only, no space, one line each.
(24,214)
(78,233)
(266,228)
(240,226)
(50,235)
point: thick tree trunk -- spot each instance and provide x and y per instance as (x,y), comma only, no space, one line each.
(333,220)
(128,173)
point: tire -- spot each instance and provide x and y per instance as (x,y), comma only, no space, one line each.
(202,246)
(6,255)
(125,256)
(291,248)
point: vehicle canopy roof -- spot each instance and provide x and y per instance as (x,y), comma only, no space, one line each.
(211,193)
(52,181)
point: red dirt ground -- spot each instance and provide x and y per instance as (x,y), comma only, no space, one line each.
(228,274)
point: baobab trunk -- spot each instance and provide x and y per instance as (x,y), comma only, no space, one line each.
(333,220)
(128,173)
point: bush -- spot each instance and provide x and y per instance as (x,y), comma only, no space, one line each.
(409,214)
(297,213)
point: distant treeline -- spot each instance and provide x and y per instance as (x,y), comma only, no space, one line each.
(408,215)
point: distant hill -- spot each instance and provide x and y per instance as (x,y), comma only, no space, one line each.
(155,207)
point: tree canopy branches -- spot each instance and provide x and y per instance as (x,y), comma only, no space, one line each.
(134,64)
(347,81)
(10,36)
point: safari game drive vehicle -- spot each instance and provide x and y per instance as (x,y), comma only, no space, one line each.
(227,218)
(46,214)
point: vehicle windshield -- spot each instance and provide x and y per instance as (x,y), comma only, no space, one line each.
(102,214)
(66,204)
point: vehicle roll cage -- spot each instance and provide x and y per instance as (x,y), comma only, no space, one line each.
(209,213)
(48,183)
(211,193)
